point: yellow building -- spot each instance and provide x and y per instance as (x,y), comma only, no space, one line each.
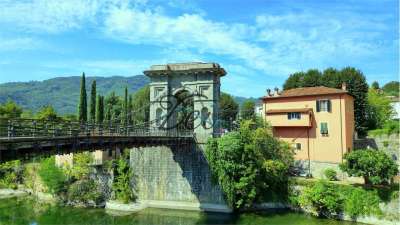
(318,121)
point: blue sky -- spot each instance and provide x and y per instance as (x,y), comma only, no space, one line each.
(258,42)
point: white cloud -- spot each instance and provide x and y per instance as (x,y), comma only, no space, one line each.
(271,44)
(104,67)
(188,31)
(20,43)
(48,15)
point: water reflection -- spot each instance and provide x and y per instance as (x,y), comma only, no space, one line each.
(28,211)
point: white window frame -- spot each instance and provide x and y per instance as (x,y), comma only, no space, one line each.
(294,116)
(326,105)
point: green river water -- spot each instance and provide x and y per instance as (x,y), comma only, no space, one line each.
(29,211)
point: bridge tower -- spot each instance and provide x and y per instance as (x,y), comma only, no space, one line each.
(174,85)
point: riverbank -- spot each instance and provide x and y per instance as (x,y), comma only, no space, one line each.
(176,205)
(117,208)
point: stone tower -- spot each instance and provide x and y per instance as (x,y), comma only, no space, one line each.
(200,82)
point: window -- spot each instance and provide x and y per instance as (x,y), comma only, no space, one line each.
(158,116)
(158,91)
(324,129)
(298,146)
(203,90)
(324,106)
(204,116)
(294,116)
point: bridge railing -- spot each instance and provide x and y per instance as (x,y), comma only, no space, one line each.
(18,128)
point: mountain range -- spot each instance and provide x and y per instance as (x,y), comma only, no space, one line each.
(63,92)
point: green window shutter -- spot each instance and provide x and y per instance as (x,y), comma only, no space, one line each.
(329,106)
(324,128)
(318,105)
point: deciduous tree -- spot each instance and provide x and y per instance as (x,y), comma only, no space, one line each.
(392,88)
(295,80)
(375,85)
(379,110)
(141,105)
(10,110)
(249,163)
(375,166)
(247,110)
(47,113)
(228,110)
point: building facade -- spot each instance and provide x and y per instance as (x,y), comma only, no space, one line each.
(317,121)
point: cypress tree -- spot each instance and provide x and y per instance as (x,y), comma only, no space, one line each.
(100,109)
(130,109)
(126,106)
(82,109)
(93,102)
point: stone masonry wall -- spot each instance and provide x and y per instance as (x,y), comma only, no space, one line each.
(387,143)
(174,173)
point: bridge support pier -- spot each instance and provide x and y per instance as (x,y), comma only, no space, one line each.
(177,175)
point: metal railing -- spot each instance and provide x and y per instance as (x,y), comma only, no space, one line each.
(20,128)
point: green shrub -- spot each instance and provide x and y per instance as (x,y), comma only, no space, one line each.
(361,202)
(51,175)
(374,166)
(322,199)
(10,174)
(81,165)
(390,127)
(353,201)
(330,174)
(122,181)
(250,164)
(84,191)
(385,144)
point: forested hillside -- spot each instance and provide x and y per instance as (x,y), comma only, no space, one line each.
(63,92)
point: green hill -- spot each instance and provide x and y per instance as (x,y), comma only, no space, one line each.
(63,92)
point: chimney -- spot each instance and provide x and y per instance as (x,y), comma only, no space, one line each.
(269,92)
(344,86)
(276,91)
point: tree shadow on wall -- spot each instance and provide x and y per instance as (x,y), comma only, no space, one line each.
(196,171)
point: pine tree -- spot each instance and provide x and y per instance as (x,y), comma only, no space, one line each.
(100,109)
(93,102)
(82,109)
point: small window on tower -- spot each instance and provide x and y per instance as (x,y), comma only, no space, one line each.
(298,146)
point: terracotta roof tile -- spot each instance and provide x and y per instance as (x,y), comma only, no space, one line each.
(307,91)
